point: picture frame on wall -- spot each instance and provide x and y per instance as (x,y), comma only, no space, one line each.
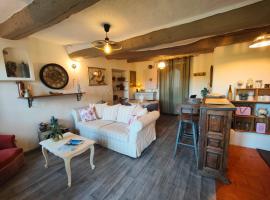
(97,76)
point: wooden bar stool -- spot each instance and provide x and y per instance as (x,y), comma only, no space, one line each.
(188,115)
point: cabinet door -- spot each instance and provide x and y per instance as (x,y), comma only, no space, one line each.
(214,139)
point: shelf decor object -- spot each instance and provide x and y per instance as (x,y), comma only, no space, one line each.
(54,76)
(30,99)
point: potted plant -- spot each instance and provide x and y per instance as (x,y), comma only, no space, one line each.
(204,92)
(55,130)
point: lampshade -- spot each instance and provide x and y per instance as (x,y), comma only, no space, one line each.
(261,41)
(106,45)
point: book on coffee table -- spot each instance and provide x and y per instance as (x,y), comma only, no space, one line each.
(74,142)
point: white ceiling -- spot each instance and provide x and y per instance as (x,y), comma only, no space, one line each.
(128,18)
(9,7)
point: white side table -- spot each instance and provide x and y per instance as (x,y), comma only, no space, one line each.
(57,149)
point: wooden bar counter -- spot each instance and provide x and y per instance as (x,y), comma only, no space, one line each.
(215,125)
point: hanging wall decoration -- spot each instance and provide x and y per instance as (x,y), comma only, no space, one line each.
(54,76)
(97,76)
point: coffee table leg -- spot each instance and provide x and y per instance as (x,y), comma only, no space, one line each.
(92,152)
(68,170)
(45,154)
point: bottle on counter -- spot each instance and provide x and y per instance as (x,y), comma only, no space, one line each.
(230,94)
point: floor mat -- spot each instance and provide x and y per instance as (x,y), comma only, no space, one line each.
(265,156)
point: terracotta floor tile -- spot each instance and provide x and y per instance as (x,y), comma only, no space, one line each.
(249,174)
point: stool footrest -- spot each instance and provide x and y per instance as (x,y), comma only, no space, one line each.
(184,144)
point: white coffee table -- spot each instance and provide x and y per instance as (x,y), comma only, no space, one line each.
(62,151)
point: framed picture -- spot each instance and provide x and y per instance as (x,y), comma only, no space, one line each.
(97,76)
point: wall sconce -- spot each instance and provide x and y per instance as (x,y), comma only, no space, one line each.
(161,65)
(74,65)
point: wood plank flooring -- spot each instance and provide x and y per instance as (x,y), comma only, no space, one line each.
(155,175)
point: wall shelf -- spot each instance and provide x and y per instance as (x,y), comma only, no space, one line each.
(31,99)
(247,123)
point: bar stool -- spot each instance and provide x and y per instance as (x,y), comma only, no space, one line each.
(188,114)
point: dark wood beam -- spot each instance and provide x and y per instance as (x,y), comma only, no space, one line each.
(254,15)
(201,46)
(166,57)
(40,14)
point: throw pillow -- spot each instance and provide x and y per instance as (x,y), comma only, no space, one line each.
(110,112)
(125,113)
(99,109)
(87,114)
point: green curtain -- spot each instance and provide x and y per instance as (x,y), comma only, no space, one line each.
(174,84)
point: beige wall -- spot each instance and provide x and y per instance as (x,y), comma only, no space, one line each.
(144,74)
(102,92)
(231,63)
(17,118)
(200,63)
(238,62)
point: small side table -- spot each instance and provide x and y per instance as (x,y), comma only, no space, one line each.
(55,148)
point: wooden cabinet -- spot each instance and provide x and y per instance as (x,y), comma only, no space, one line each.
(215,125)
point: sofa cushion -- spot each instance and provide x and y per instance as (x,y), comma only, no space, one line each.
(124,113)
(110,112)
(117,130)
(99,109)
(96,124)
(7,155)
(7,141)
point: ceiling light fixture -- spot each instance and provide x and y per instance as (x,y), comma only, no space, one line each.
(106,45)
(161,65)
(261,41)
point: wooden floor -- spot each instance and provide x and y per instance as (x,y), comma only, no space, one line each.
(155,175)
(249,175)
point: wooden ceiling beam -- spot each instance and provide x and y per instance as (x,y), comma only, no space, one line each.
(254,15)
(201,46)
(40,14)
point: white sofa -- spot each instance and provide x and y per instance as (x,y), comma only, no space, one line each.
(118,136)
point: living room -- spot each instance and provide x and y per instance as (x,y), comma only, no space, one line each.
(164,54)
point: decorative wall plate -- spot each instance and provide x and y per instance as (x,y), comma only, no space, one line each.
(54,76)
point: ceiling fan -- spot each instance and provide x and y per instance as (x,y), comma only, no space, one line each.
(106,45)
